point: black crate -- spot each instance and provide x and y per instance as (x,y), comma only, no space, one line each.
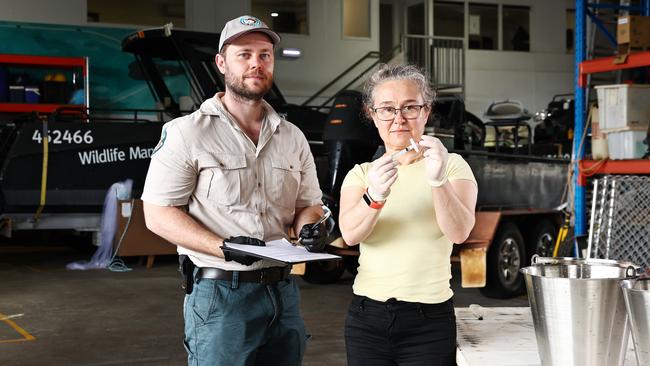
(56,92)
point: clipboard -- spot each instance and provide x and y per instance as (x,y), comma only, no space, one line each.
(281,251)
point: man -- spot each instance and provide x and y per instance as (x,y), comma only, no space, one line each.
(234,170)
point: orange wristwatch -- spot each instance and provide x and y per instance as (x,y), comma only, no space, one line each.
(370,202)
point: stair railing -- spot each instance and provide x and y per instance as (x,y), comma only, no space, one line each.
(443,58)
(377,56)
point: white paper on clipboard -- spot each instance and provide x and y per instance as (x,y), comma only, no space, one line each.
(282,251)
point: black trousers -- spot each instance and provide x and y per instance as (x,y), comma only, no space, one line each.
(400,333)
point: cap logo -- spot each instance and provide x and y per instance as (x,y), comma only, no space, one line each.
(250,21)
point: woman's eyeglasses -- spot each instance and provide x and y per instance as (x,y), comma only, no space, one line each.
(389,113)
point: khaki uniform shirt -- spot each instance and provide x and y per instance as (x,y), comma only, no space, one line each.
(206,162)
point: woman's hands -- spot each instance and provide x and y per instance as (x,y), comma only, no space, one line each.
(436,157)
(383,171)
(381,176)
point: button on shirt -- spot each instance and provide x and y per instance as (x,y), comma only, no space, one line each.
(206,162)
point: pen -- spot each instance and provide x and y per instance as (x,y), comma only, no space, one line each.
(325,216)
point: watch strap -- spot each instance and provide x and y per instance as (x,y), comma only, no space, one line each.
(373,204)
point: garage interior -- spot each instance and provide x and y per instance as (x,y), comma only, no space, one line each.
(546,101)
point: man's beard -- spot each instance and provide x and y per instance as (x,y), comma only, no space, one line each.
(240,90)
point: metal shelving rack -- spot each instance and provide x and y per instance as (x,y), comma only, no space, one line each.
(47,62)
(582,68)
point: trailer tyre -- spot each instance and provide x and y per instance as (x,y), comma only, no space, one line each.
(324,272)
(542,240)
(504,259)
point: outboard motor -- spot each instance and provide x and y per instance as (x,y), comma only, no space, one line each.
(557,122)
(448,114)
(350,138)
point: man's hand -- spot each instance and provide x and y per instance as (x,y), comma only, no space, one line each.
(382,175)
(314,239)
(245,259)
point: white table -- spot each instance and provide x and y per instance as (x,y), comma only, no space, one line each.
(504,337)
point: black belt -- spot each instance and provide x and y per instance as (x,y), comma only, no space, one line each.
(265,276)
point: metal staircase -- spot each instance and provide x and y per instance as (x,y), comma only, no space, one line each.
(443,58)
(370,60)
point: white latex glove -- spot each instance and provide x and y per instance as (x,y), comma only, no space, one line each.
(435,157)
(382,175)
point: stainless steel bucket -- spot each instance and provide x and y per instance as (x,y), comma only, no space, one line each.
(637,301)
(578,310)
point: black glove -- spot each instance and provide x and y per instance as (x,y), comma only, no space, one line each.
(314,239)
(239,257)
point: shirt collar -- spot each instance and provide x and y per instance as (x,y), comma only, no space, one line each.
(214,107)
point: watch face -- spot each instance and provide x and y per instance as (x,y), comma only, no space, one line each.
(366,197)
(371,203)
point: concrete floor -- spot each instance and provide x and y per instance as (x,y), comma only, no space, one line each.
(54,316)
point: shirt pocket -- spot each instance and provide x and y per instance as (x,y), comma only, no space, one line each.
(284,182)
(220,178)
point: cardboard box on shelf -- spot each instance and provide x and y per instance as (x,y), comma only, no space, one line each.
(633,30)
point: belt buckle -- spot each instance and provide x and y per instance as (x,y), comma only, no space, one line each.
(271,276)
(264,278)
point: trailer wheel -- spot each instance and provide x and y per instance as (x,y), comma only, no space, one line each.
(324,272)
(542,239)
(504,259)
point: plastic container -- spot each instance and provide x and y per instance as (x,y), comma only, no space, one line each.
(598,137)
(57,92)
(623,106)
(578,310)
(627,144)
(599,149)
(637,302)
(32,94)
(4,84)
(16,94)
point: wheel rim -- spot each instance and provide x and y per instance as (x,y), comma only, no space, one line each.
(509,261)
(544,245)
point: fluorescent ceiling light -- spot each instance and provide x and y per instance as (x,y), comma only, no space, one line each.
(274,14)
(291,52)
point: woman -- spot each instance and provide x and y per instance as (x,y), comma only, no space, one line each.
(406,212)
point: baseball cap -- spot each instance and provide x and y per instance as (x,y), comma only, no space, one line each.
(243,25)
